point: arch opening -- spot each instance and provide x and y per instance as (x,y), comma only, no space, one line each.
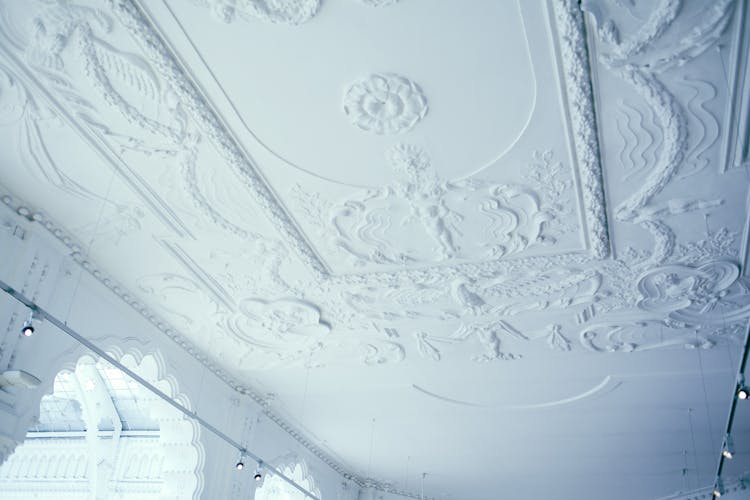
(101,434)
(273,487)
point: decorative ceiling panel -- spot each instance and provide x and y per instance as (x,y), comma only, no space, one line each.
(395,170)
(390,217)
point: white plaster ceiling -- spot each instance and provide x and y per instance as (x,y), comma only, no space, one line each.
(411,223)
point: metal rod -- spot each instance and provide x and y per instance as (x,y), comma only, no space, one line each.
(41,313)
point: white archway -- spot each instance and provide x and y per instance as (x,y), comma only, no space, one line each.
(100,434)
(273,487)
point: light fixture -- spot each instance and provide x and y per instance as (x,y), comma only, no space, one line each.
(28,325)
(728,451)
(240,463)
(258,471)
(742,392)
(27,330)
(718,488)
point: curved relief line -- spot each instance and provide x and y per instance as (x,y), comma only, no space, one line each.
(641,145)
(709,125)
(652,128)
(631,129)
(447,400)
(531,110)
(628,145)
(643,142)
(606,383)
(672,123)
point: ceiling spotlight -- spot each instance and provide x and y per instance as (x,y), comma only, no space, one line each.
(258,471)
(258,476)
(728,451)
(239,465)
(27,330)
(718,489)
(28,326)
(743,392)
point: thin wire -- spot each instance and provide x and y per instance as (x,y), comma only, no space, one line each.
(372,440)
(105,202)
(307,384)
(719,304)
(406,482)
(705,391)
(724,68)
(685,479)
(695,448)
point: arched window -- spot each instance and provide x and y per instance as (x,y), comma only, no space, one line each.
(100,434)
(275,488)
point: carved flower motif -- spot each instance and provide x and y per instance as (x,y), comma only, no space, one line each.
(385,103)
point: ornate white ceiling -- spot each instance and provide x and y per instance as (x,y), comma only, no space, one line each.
(484,240)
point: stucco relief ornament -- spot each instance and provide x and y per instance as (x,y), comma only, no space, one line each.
(277,331)
(713,293)
(379,3)
(274,11)
(385,103)
(443,219)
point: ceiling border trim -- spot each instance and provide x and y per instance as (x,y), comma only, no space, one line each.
(577,76)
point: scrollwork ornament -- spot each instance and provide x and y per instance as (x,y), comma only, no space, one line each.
(710,294)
